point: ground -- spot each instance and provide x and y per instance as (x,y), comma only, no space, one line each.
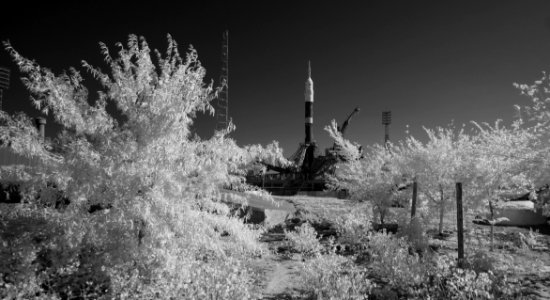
(530,263)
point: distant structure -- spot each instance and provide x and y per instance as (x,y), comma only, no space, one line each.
(386,121)
(222,108)
(4,82)
(308,168)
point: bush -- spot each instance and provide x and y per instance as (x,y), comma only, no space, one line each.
(449,282)
(197,264)
(480,262)
(43,256)
(531,240)
(415,235)
(304,240)
(217,278)
(466,284)
(353,227)
(334,277)
(392,261)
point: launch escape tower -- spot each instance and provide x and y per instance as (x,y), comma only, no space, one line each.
(222,108)
(4,82)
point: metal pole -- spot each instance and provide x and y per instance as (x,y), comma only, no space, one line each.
(413,206)
(460,224)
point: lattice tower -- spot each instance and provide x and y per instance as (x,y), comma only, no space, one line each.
(222,108)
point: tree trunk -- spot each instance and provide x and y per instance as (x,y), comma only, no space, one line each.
(441,214)
(492,224)
(441,210)
(459,225)
(492,236)
(413,204)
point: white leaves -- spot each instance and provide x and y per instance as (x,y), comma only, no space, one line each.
(347,149)
(147,166)
(150,152)
(539,93)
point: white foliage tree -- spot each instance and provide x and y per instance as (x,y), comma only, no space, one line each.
(505,163)
(159,185)
(538,118)
(373,176)
(505,159)
(437,165)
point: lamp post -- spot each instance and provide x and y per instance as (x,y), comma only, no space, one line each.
(386,121)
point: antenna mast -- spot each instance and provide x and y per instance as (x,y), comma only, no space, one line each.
(222,109)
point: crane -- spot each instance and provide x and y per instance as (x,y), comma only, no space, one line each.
(342,129)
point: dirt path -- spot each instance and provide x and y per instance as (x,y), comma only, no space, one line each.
(278,270)
(279,267)
(280,281)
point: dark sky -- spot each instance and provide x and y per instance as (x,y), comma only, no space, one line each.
(429,62)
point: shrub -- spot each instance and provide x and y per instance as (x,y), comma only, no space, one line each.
(217,278)
(392,261)
(467,284)
(415,235)
(334,277)
(530,240)
(352,227)
(304,240)
(480,261)
(43,256)
(448,282)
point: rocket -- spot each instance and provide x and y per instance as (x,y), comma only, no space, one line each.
(309,106)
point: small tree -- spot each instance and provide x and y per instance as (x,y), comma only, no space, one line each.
(538,122)
(504,163)
(373,176)
(438,164)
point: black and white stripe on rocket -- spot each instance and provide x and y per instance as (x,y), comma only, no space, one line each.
(309,106)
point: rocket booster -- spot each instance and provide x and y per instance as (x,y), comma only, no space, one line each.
(309,106)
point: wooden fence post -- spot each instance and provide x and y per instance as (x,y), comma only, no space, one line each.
(459,224)
(413,206)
